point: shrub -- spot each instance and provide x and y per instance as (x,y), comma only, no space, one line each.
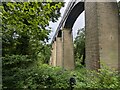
(104,79)
(19,73)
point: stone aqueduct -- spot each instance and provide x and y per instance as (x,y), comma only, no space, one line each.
(102,35)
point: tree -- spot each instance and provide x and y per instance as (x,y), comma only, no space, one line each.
(79,46)
(24,35)
(24,26)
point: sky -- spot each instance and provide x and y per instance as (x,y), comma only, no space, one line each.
(79,23)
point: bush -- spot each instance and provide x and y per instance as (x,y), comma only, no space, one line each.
(20,72)
(45,76)
(11,67)
(17,74)
(104,79)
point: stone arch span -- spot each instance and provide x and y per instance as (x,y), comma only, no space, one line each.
(73,15)
(102,30)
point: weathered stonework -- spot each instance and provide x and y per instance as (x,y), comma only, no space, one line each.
(53,56)
(119,45)
(108,33)
(101,34)
(68,53)
(92,42)
(59,52)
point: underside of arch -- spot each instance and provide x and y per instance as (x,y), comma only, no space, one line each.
(75,12)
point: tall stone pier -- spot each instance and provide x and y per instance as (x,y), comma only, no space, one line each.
(102,36)
(68,50)
(63,50)
(53,55)
(119,45)
(59,48)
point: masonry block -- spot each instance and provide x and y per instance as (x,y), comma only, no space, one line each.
(68,50)
(53,56)
(119,45)
(59,52)
(102,36)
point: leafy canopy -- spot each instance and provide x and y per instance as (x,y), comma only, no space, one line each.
(25,25)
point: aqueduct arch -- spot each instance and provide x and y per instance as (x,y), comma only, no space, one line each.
(102,36)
